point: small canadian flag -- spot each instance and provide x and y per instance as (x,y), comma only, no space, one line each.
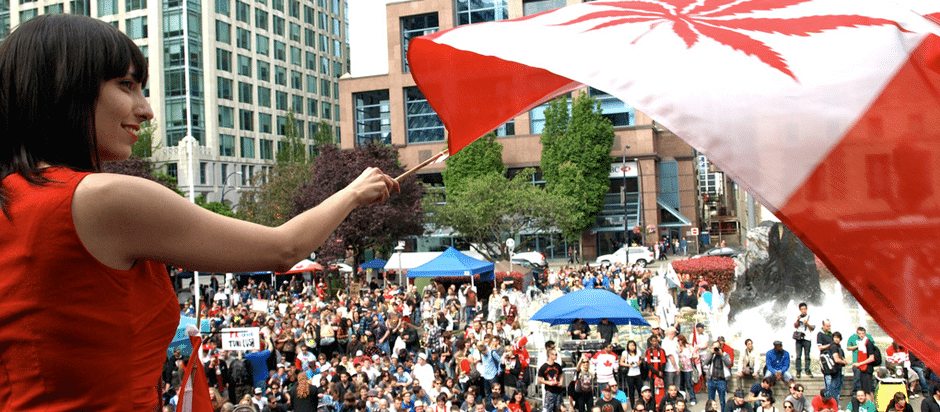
(194,389)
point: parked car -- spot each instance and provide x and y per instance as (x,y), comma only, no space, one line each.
(720,251)
(638,255)
(535,258)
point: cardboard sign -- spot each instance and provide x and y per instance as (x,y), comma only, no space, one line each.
(241,339)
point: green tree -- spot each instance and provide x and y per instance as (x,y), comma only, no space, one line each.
(270,203)
(490,208)
(576,160)
(480,158)
(292,148)
(217,207)
(144,147)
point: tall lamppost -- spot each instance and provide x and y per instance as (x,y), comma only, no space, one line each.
(224,182)
(639,199)
(400,249)
(623,202)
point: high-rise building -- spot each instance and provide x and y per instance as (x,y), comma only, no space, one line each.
(652,179)
(227,74)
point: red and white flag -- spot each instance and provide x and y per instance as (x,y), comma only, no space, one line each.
(194,388)
(828,111)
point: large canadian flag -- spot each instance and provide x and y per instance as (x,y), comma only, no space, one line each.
(828,111)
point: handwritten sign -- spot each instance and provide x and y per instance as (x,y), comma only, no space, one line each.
(241,339)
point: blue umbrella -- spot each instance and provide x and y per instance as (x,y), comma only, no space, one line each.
(374,264)
(592,305)
(180,340)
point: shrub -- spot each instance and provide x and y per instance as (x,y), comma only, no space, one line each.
(716,270)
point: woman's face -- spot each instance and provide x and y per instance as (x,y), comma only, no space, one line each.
(120,110)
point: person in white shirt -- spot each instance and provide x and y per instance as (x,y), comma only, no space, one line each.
(671,347)
(604,365)
(424,372)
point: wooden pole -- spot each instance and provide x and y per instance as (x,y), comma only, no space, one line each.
(415,169)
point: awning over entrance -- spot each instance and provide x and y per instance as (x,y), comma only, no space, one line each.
(670,217)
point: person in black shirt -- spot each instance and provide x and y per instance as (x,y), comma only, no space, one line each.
(607,330)
(738,403)
(607,403)
(550,374)
(578,329)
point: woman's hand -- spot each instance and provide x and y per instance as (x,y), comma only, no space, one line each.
(373,186)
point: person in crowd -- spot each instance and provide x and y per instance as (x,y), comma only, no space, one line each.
(619,394)
(682,406)
(655,360)
(581,389)
(670,346)
(866,356)
(607,403)
(672,395)
(898,363)
(687,360)
(899,403)
(835,378)
(803,327)
(800,403)
(824,403)
(934,395)
(604,365)
(717,364)
(606,330)
(778,363)
(760,391)
(550,374)
(518,403)
(767,405)
(859,403)
(738,403)
(749,366)
(647,399)
(711,405)
(852,344)
(578,329)
(631,371)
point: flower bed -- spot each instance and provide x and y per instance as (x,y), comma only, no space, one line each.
(715,270)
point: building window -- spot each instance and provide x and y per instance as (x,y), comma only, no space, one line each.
(223,60)
(261,19)
(173,53)
(280,51)
(537,118)
(278,5)
(246,120)
(223,7)
(297,103)
(244,92)
(248,152)
(507,129)
(325,88)
(243,38)
(323,41)
(55,9)
(324,65)
(224,88)
(310,38)
(81,7)
(327,112)
(312,106)
(295,32)
(226,146)
(669,183)
(472,11)
(136,27)
(266,149)
(296,80)
(242,12)
(280,99)
(311,83)
(223,32)
(202,173)
(105,8)
(372,117)
(280,75)
(175,84)
(264,96)
(337,49)
(171,170)
(421,122)
(530,7)
(226,117)
(296,56)
(278,23)
(264,123)
(264,71)
(246,178)
(261,44)
(310,15)
(131,5)
(614,109)
(294,10)
(26,15)
(244,65)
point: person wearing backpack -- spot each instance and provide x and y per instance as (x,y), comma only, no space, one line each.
(582,387)
(241,379)
(835,376)
(869,357)
(852,344)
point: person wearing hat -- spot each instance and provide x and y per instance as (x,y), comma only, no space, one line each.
(258,398)
(423,372)
(217,374)
(607,403)
(824,403)
(647,399)
(778,363)
(738,403)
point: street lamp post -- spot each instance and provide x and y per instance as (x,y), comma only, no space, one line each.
(639,199)
(623,201)
(400,249)
(224,182)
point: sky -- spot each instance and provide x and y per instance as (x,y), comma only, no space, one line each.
(368,37)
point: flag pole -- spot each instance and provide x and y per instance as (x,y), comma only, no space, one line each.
(415,169)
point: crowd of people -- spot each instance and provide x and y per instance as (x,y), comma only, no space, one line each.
(387,349)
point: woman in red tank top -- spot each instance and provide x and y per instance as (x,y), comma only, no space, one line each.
(88,310)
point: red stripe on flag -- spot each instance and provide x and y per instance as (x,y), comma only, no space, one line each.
(482,77)
(873,207)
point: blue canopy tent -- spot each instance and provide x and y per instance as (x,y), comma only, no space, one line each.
(453,263)
(374,264)
(592,305)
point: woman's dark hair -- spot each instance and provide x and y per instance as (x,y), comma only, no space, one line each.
(51,71)
(635,348)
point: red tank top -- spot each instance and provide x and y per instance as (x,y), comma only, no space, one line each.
(75,334)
